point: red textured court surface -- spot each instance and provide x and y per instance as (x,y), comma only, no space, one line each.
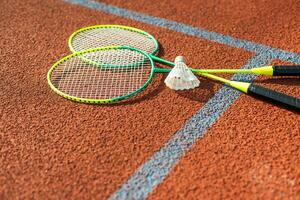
(52,148)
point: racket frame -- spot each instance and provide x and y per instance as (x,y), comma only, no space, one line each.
(263,70)
(98,101)
(71,38)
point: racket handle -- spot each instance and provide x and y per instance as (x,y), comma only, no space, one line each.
(282,70)
(290,101)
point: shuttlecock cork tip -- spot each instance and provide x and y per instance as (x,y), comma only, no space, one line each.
(179,59)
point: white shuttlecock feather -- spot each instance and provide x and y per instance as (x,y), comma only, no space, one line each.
(181,77)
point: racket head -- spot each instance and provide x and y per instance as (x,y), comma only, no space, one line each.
(78,79)
(112,35)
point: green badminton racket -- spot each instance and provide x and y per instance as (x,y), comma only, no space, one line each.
(111,35)
(113,73)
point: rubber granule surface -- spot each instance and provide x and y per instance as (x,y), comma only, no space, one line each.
(52,148)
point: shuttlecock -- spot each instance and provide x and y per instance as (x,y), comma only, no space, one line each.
(181,77)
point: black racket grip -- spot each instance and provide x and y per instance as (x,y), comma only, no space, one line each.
(290,101)
(281,70)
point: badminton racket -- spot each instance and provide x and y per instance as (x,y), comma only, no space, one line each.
(113,73)
(111,35)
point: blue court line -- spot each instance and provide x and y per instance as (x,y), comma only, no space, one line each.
(153,171)
(156,168)
(190,30)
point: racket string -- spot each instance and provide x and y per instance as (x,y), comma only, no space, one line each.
(92,38)
(80,78)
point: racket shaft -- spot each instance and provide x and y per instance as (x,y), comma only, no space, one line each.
(251,89)
(281,70)
(264,70)
(290,101)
